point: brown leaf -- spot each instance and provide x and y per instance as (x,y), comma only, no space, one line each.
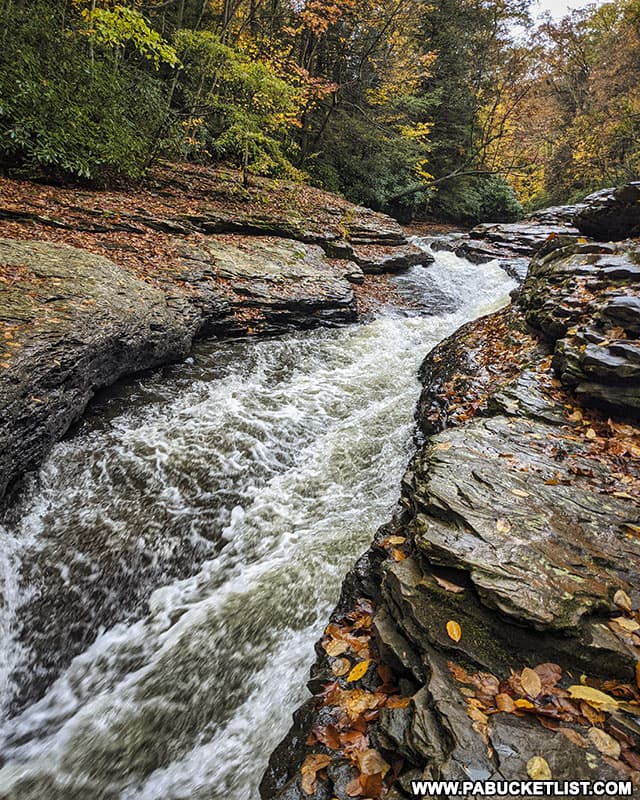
(398,555)
(622,600)
(454,631)
(531,682)
(311,765)
(370,762)
(450,587)
(328,736)
(575,737)
(549,675)
(394,701)
(504,702)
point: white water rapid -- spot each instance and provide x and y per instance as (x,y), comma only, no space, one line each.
(211,510)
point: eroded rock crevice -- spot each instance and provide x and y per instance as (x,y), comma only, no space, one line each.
(506,589)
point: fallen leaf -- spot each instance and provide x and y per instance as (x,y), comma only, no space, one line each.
(358,671)
(520,493)
(538,769)
(521,703)
(312,764)
(503,525)
(396,539)
(622,600)
(594,697)
(398,555)
(504,702)
(340,667)
(576,416)
(450,587)
(335,647)
(604,743)
(395,701)
(630,625)
(591,434)
(531,682)
(454,631)
(370,762)
(575,737)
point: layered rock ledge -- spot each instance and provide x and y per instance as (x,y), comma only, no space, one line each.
(492,631)
(97,285)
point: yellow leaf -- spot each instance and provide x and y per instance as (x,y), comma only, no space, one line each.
(454,630)
(503,525)
(397,539)
(594,697)
(358,671)
(576,416)
(521,703)
(531,682)
(622,600)
(604,743)
(628,624)
(538,769)
(591,434)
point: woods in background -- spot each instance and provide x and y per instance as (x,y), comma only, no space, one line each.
(411,106)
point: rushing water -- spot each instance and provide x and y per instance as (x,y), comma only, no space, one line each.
(239,487)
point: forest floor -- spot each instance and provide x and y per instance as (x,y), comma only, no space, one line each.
(140,228)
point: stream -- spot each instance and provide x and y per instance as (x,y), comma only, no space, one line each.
(165,575)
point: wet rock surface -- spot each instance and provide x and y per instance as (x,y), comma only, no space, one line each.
(197,257)
(73,322)
(611,214)
(514,551)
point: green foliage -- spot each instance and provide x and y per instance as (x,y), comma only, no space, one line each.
(68,113)
(121,26)
(368,164)
(471,199)
(243,108)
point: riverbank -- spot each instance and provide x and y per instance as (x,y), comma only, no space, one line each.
(97,285)
(492,632)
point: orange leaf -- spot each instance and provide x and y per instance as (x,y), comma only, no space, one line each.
(454,630)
